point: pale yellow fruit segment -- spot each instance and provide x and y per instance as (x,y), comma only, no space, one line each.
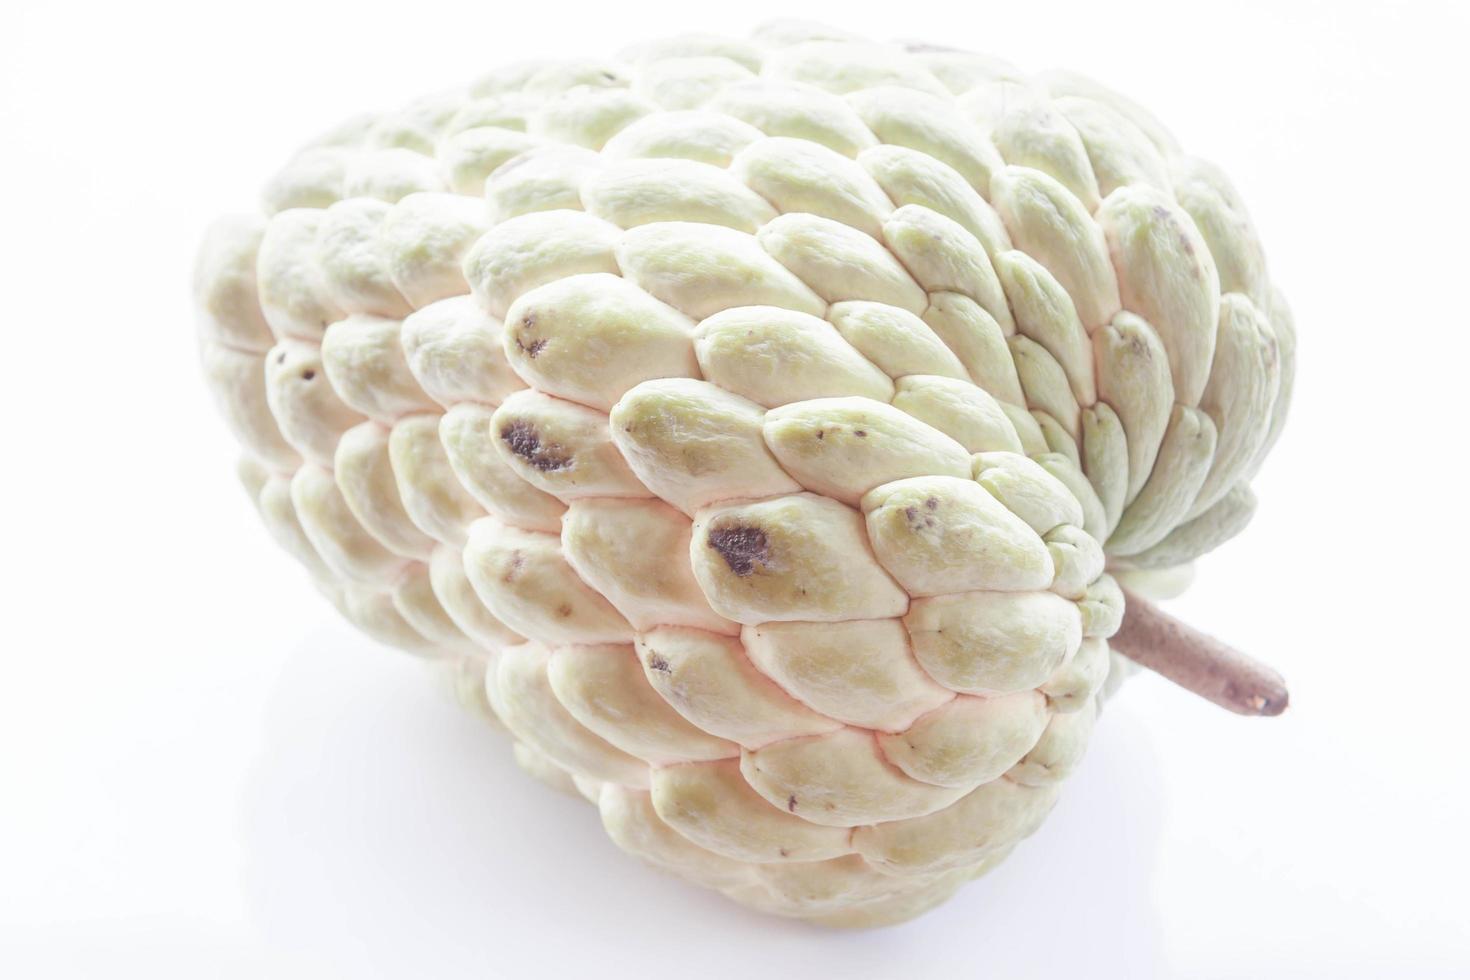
(226,285)
(965,413)
(703,269)
(457,596)
(698,135)
(773,356)
(943,534)
(636,553)
(931,125)
(843,447)
(310,414)
(711,804)
(694,443)
(839,780)
(364,361)
(969,740)
(415,600)
(993,642)
(1167,276)
(520,692)
(943,256)
(522,253)
(801,557)
(639,192)
(328,523)
(432,496)
(802,176)
(895,340)
(590,338)
(631,821)
(782,109)
(365,476)
(525,582)
(354,258)
(604,688)
(991,817)
(911,178)
(839,262)
(709,680)
(1074,683)
(294,297)
(237,380)
(1050,225)
(1027,490)
(860,672)
(561,448)
(278,512)
(425,237)
(469,436)
(1059,749)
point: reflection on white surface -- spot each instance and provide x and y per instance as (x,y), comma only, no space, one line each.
(393,828)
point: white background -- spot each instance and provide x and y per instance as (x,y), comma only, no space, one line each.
(204,773)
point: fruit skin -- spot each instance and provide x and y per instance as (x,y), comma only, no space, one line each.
(747,427)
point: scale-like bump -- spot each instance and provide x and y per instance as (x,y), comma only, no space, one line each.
(789,558)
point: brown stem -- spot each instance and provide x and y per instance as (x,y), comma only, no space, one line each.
(1197,662)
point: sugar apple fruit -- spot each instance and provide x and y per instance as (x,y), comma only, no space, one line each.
(758,429)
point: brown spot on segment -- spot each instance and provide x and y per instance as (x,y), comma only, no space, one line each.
(528,323)
(308,374)
(791,803)
(523,439)
(564,610)
(783,852)
(741,547)
(861,433)
(821,434)
(655,662)
(912,513)
(517,562)
(281,358)
(932,503)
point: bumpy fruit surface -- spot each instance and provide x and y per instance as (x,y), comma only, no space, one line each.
(752,422)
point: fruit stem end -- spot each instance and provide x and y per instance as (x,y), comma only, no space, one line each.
(1198,662)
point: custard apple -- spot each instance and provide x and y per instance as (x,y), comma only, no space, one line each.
(758,430)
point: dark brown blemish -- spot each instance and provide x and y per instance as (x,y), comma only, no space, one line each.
(783,852)
(522,438)
(528,322)
(308,374)
(564,610)
(655,662)
(911,514)
(861,433)
(741,547)
(791,803)
(932,503)
(821,433)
